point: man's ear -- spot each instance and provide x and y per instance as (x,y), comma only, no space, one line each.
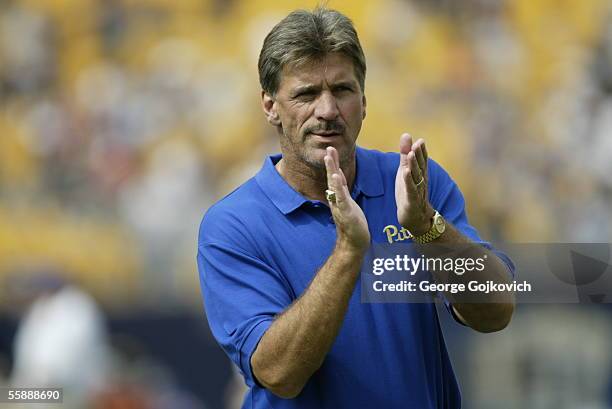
(363,109)
(269,107)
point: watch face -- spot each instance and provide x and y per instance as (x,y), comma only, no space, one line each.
(440,225)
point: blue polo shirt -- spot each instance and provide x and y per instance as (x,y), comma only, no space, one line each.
(259,248)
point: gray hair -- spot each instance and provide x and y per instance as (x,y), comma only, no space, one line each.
(304,36)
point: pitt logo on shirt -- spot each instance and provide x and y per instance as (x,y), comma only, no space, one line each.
(395,234)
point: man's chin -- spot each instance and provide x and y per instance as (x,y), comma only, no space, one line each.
(315,159)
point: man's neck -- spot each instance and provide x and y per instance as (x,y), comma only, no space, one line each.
(309,181)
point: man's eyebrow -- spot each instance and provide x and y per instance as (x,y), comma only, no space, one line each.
(304,88)
(315,88)
(347,83)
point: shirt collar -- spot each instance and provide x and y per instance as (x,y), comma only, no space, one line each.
(368,181)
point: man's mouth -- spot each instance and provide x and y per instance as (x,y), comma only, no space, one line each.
(326,133)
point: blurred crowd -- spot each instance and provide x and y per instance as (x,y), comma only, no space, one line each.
(121,121)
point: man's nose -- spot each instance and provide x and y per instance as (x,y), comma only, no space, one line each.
(327,107)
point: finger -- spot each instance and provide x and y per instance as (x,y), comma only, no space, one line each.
(405,146)
(342,194)
(425,158)
(415,171)
(334,154)
(329,168)
(417,148)
(342,177)
(411,189)
(339,170)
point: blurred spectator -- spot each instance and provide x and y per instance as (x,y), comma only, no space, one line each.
(61,341)
(27,50)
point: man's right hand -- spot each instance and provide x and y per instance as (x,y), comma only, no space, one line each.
(351,223)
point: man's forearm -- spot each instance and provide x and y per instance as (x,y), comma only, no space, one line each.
(493,311)
(295,345)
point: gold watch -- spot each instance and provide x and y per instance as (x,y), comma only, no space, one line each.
(437,228)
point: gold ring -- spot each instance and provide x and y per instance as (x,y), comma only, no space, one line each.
(420,181)
(330,195)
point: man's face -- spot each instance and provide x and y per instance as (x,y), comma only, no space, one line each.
(319,104)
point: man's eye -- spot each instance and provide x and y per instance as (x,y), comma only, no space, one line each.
(344,89)
(305,95)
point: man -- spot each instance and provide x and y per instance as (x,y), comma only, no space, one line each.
(279,258)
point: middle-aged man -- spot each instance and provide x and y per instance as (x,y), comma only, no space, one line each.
(280,257)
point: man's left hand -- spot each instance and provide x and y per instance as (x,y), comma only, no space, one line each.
(414,212)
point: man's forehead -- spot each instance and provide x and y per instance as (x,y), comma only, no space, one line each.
(332,68)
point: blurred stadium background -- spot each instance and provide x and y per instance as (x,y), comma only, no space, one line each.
(121,121)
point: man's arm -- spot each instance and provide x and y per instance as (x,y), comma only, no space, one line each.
(296,344)
(415,213)
(494,310)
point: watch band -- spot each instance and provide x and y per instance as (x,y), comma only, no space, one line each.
(437,228)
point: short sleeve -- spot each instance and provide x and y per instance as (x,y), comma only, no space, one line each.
(445,196)
(242,295)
